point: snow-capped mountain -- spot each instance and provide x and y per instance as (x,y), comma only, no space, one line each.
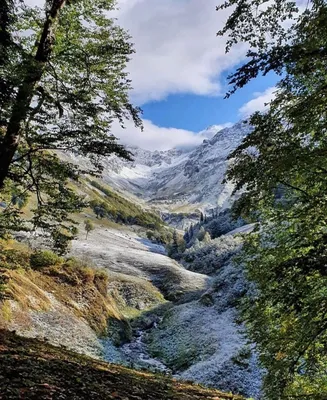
(179,180)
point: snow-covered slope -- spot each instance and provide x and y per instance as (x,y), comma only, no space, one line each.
(179,179)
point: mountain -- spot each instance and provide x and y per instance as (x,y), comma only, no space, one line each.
(118,297)
(179,180)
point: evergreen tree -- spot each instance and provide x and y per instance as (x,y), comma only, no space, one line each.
(201,217)
(186,236)
(174,247)
(191,231)
(61,88)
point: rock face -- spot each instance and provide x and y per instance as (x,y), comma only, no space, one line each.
(176,179)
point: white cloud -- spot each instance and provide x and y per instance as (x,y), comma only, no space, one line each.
(259,103)
(177,50)
(154,137)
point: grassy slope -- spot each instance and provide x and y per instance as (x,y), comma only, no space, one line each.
(31,369)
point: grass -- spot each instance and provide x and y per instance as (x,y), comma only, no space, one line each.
(32,369)
(81,289)
(119,209)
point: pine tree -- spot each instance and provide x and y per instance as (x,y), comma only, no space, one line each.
(186,236)
(191,231)
(174,248)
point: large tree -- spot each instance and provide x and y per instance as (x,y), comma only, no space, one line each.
(282,166)
(63,82)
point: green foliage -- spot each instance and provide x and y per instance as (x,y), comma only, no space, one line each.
(163,236)
(177,245)
(209,256)
(12,258)
(43,259)
(88,225)
(120,210)
(282,166)
(61,86)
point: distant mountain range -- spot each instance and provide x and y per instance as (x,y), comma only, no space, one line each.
(179,180)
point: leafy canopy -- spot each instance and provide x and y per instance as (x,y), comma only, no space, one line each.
(282,166)
(63,82)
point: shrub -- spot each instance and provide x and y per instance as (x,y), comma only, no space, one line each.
(43,259)
(13,259)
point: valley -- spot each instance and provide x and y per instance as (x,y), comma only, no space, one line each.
(176,180)
(174,316)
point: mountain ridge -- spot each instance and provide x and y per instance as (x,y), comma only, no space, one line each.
(176,179)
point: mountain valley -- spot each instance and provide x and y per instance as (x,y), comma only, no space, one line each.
(174,316)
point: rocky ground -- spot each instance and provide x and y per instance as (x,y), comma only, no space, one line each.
(195,336)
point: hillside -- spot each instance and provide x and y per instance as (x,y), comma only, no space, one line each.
(32,369)
(179,180)
(127,303)
(176,180)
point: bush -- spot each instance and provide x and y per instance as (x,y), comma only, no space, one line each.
(43,259)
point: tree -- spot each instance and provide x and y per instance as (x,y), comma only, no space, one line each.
(174,245)
(282,166)
(201,234)
(201,217)
(186,236)
(191,231)
(61,88)
(88,225)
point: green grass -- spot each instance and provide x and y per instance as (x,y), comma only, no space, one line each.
(119,209)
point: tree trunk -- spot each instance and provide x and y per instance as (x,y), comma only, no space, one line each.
(33,75)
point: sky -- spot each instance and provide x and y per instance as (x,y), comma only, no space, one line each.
(179,72)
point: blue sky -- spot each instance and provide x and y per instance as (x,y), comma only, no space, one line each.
(195,113)
(179,72)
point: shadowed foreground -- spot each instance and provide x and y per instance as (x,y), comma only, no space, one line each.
(32,369)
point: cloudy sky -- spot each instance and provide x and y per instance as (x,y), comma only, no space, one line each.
(179,72)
